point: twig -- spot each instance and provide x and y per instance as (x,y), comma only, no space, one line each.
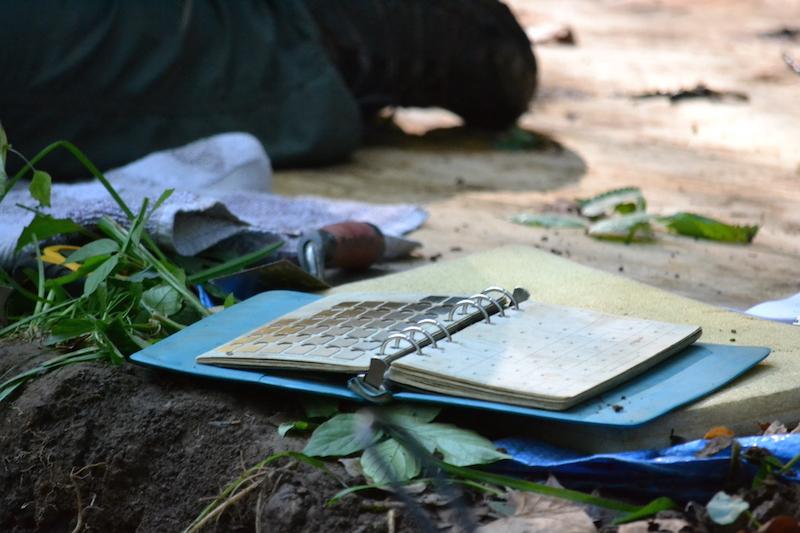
(258,511)
(224,505)
(390,521)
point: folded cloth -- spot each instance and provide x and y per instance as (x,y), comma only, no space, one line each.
(221,195)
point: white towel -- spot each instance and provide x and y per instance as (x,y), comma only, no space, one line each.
(222,186)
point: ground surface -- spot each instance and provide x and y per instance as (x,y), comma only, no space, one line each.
(128,449)
(734,160)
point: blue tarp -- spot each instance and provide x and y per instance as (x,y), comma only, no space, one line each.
(675,471)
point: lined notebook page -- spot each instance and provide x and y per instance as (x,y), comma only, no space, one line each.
(543,355)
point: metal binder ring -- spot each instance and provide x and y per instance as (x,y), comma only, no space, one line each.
(399,336)
(505,293)
(467,303)
(414,329)
(481,296)
(439,325)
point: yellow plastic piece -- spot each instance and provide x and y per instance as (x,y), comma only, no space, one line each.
(52,255)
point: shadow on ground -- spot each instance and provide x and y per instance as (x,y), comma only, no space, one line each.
(396,166)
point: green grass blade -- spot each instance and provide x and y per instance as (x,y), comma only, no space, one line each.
(234,265)
(646,511)
(539,488)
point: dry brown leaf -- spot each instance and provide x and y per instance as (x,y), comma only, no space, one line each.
(718,431)
(776,428)
(670,525)
(541,514)
(780,524)
(352,467)
(715,445)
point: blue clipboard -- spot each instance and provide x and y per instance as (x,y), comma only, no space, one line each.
(693,373)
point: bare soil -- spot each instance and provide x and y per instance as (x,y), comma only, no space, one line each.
(131,449)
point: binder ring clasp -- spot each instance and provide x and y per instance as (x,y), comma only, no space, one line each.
(505,293)
(414,329)
(467,303)
(481,296)
(399,336)
(439,325)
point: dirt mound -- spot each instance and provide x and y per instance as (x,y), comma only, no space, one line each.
(132,449)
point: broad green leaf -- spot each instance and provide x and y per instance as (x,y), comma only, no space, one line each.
(458,446)
(69,328)
(724,509)
(99,275)
(93,249)
(389,462)
(550,220)
(320,407)
(143,275)
(410,414)
(693,225)
(625,200)
(44,227)
(286,427)
(40,186)
(342,435)
(162,299)
(627,228)
(229,301)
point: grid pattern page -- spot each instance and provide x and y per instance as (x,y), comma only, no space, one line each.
(546,351)
(342,331)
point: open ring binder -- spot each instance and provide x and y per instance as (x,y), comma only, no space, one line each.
(370,385)
(488,347)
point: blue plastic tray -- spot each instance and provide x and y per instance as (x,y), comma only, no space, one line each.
(683,378)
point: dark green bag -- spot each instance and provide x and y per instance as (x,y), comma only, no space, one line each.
(122,78)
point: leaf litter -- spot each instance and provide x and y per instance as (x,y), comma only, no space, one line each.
(621,215)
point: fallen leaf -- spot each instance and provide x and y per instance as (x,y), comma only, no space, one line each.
(718,431)
(776,428)
(352,466)
(724,509)
(550,220)
(693,225)
(541,514)
(780,524)
(624,200)
(714,446)
(627,228)
(668,525)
